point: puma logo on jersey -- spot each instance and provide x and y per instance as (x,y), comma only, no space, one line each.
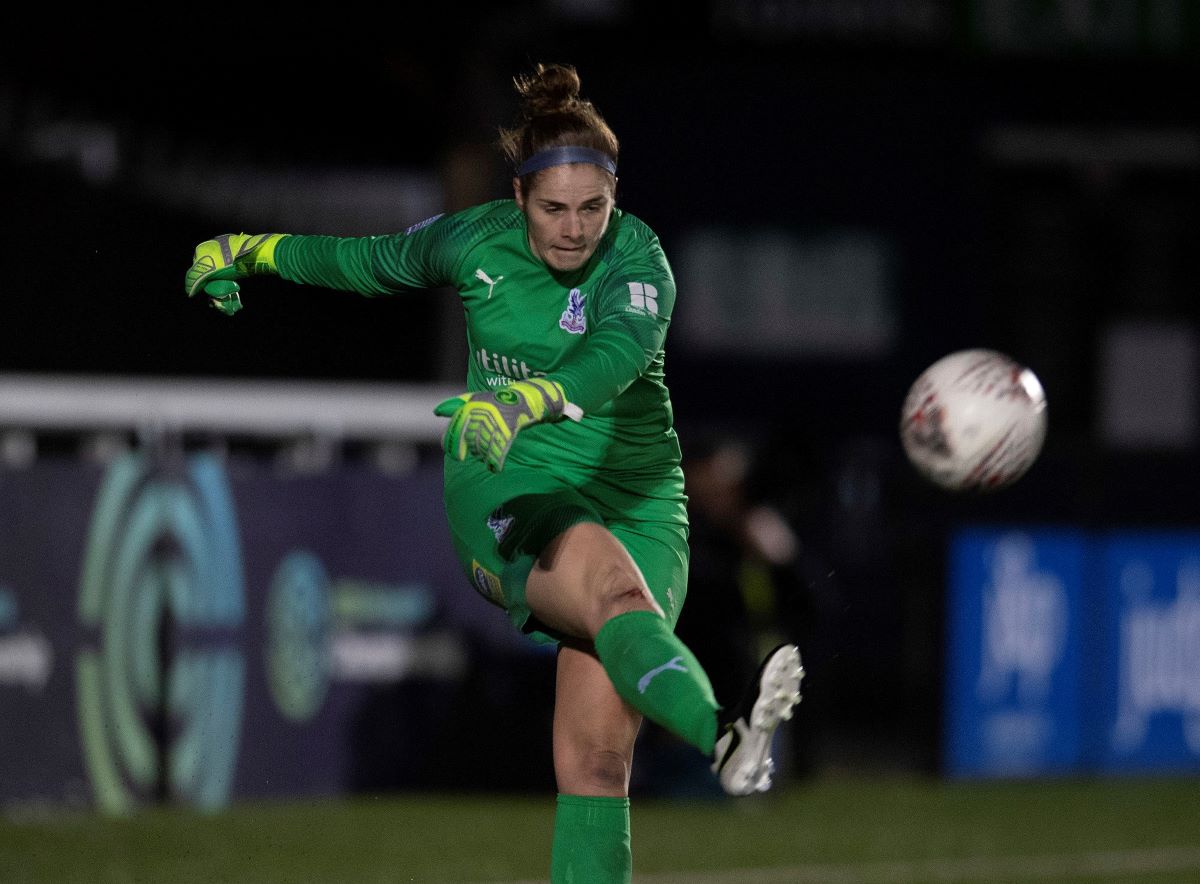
(675,663)
(483,277)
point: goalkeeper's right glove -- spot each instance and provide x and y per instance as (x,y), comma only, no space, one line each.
(483,425)
(218,262)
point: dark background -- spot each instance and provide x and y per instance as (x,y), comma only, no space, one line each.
(884,116)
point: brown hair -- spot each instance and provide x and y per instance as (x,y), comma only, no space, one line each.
(553,115)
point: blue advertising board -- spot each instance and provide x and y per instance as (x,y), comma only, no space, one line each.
(1145,699)
(203,629)
(1013,652)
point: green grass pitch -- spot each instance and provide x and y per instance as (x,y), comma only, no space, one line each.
(834,830)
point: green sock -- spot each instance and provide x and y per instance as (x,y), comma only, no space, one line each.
(655,673)
(591,841)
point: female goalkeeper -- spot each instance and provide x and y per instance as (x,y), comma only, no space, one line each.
(562,480)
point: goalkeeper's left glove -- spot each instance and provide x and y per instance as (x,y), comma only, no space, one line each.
(483,425)
(218,262)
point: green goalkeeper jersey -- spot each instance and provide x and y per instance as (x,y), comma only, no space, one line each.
(598,331)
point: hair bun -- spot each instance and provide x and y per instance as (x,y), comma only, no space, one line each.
(553,114)
(551,89)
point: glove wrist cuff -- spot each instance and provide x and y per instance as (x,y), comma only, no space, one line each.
(263,255)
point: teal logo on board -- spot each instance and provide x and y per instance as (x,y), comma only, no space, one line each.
(162,567)
(298,618)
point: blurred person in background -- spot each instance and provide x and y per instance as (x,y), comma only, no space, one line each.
(755,583)
(578,527)
(732,611)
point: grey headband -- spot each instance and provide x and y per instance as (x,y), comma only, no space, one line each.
(558,156)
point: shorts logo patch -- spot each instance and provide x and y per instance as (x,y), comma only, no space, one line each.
(573,319)
(500,523)
(487,583)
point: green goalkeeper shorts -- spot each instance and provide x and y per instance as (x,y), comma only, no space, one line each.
(500,522)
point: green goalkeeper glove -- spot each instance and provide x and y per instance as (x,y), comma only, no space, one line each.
(483,425)
(218,262)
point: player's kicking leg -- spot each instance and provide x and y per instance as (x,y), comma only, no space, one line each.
(586,585)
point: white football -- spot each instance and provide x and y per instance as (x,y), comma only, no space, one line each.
(974,420)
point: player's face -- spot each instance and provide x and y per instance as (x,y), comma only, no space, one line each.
(567,211)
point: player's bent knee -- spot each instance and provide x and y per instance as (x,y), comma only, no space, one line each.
(616,600)
(620,597)
(601,582)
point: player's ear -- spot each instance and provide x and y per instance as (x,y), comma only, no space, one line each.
(518,194)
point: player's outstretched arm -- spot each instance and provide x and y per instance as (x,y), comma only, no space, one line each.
(218,262)
(483,425)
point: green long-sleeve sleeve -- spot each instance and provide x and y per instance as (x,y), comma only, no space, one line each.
(625,346)
(598,331)
(369,265)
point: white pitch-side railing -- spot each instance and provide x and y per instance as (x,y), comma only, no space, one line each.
(339,410)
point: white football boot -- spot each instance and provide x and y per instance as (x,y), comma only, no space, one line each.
(742,757)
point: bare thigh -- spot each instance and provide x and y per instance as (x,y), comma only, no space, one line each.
(583,578)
